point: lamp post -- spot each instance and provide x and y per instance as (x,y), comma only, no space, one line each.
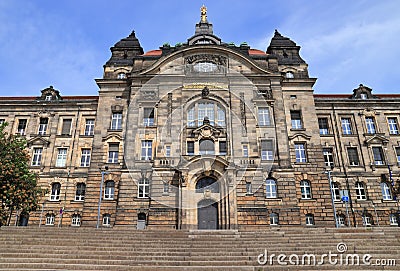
(103,173)
(332,198)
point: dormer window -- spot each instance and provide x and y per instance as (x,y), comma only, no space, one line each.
(205,67)
(289,75)
(121,75)
(48,97)
(363,96)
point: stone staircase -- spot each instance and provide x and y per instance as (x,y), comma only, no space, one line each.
(29,248)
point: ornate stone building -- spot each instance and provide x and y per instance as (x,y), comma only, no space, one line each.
(210,135)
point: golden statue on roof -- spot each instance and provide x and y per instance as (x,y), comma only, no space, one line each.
(203,10)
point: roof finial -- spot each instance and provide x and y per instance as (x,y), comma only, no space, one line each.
(203,11)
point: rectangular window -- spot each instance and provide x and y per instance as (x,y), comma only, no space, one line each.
(116,121)
(61,157)
(328,157)
(22,126)
(220,117)
(166,188)
(205,110)
(296,119)
(370,124)
(346,126)
(43,126)
(190,148)
(113,150)
(2,121)
(222,147)
(167,151)
(89,127)
(249,189)
(147,150)
(245,150)
(190,118)
(398,155)
(353,156)
(378,155)
(66,127)
(323,126)
(37,156)
(393,127)
(85,158)
(300,151)
(148,116)
(263,116)
(267,150)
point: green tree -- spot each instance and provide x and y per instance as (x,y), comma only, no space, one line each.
(18,185)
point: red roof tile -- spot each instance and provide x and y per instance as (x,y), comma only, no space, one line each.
(153,53)
(256,52)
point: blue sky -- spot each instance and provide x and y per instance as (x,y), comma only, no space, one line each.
(66,43)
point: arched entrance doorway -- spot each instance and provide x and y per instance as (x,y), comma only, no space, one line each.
(207,214)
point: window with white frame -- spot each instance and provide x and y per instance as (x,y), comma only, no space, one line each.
(48,98)
(341,220)
(55,192)
(346,126)
(147,150)
(148,116)
(85,157)
(143,188)
(367,220)
(300,151)
(270,189)
(43,122)
(386,193)
(267,150)
(378,155)
(323,126)
(363,96)
(2,121)
(305,188)
(121,75)
(113,151)
(80,192)
(50,219)
(393,219)
(336,191)
(353,156)
(89,127)
(245,150)
(397,149)
(264,116)
(21,129)
(360,191)
(310,220)
(249,188)
(116,121)
(328,157)
(106,220)
(206,109)
(109,190)
(289,75)
(76,220)
(61,157)
(274,219)
(393,126)
(37,156)
(296,119)
(168,151)
(370,125)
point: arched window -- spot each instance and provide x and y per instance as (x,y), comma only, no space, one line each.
(386,194)
(310,220)
(206,146)
(76,220)
(109,190)
(336,191)
(80,192)
(143,188)
(205,66)
(270,188)
(367,219)
(55,192)
(360,191)
(207,184)
(289,75)
(305,187)
(393,219)
(274,219)
(206,109)
(121,75)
